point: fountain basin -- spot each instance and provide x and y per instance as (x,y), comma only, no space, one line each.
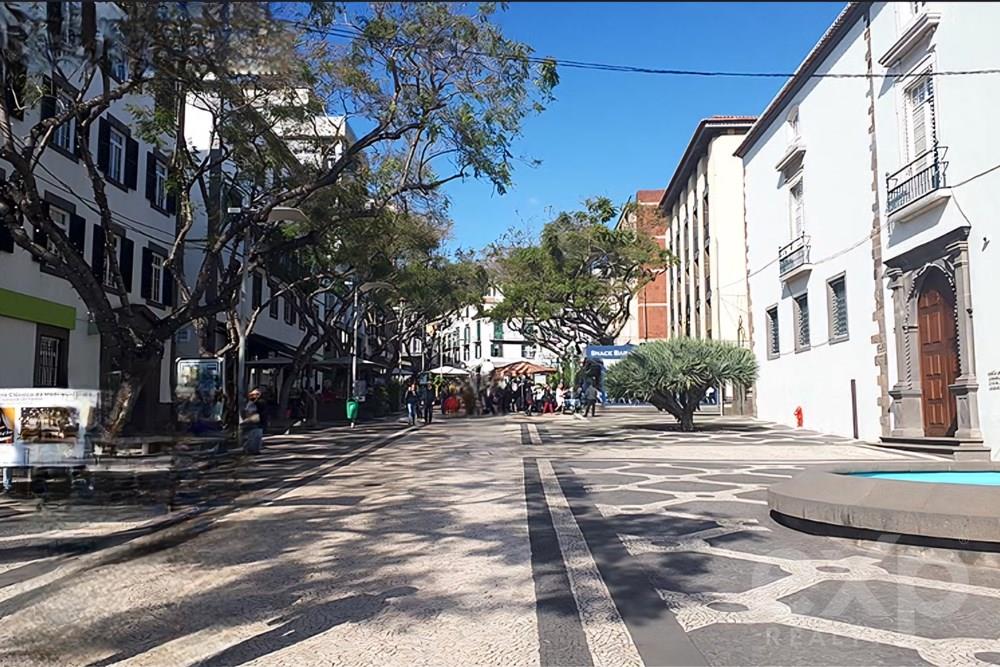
(952,504)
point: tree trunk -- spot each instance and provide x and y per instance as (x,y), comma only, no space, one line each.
(686,420)
(133,378)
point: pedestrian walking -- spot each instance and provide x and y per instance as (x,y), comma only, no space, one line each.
(428,401)
(590,400)
(253,423)
(412,398)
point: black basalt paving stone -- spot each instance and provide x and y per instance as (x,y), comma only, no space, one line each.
(688,487)
(765,544)
(664,469)
(593,465)
(694,572)
(753,495)
(613,478)
(741,478)
(991,658)
(959,573)
(765,644)
(919,611)
(627,497)
(779,471)
(724,509)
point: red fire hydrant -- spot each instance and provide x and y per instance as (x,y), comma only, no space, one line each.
(798,417)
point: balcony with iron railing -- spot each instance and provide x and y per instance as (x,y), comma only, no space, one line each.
(793,258)
(916,184)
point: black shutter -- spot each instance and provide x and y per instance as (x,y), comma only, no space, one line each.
(168,287)
(88,25)
(97,253)
(77,232)
(146,274)
(131,163)
(171,198)
(103,144)
(54,19)
(256,291)
(150,177)
(125,262)
(48,101)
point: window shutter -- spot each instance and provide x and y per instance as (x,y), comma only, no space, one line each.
(97,253)
(125,262)
(171,198)
(77,232)
(47,104)
(6,239)
(54,19)
(168,287)
(146,274)
(103,144)
(88,25)
(150,176)
(131,163)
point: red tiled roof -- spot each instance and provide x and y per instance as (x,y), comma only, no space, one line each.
(749,118)
(649,196)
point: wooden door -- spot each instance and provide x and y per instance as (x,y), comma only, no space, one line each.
(938,356)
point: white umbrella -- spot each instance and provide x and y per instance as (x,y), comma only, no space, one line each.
(448,370)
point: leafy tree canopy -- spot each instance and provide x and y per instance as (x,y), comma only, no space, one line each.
(675,374)
(574,284)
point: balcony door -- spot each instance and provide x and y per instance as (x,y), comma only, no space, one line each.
(938,355)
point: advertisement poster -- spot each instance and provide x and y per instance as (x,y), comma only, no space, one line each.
(199,392)
(46,426)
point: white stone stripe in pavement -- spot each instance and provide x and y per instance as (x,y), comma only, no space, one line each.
(608,638)
(533,435)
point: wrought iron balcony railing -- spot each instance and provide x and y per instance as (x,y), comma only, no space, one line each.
(917,179)
(794,255)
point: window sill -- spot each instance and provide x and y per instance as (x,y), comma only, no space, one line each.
(838,339)
(65,152)
(919,29)
(804,348)
(771,356)
(158,209)
(794,154)
(155,304)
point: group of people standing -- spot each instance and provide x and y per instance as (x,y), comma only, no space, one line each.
(506,396)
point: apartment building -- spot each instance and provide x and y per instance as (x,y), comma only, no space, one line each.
(648,318)
(703,207)
(869,210)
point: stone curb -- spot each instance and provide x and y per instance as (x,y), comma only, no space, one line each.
(178,525)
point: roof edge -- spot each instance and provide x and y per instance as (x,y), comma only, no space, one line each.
(840,26)
(706,127)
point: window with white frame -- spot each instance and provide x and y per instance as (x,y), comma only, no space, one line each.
(65,135)
(160,184)
(920,116)
(156,277)
(801,307)
(109,273)
(796,209)
(116,156)
(118,62)
(60,219)
(71,15)
(793,126)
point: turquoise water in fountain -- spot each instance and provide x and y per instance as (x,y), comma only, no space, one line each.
(976,478)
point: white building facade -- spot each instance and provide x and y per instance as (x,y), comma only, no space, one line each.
(703,206)
(865,271)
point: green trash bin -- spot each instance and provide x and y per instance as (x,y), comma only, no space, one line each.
(352,410)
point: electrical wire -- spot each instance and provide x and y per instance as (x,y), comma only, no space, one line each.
(350,32)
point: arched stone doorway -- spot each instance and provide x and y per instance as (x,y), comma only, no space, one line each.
(934,396)
(938,354)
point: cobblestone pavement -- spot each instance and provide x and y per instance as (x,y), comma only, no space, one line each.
(516,541)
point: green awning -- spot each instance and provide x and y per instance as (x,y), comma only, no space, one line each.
(32,309)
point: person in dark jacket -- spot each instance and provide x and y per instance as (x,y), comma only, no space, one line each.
(427,398)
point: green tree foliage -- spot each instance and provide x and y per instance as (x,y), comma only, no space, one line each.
(574,285)
(675,374)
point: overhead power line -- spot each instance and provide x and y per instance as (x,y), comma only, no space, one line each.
(349,32)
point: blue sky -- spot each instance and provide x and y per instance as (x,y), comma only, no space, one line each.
(612,133)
